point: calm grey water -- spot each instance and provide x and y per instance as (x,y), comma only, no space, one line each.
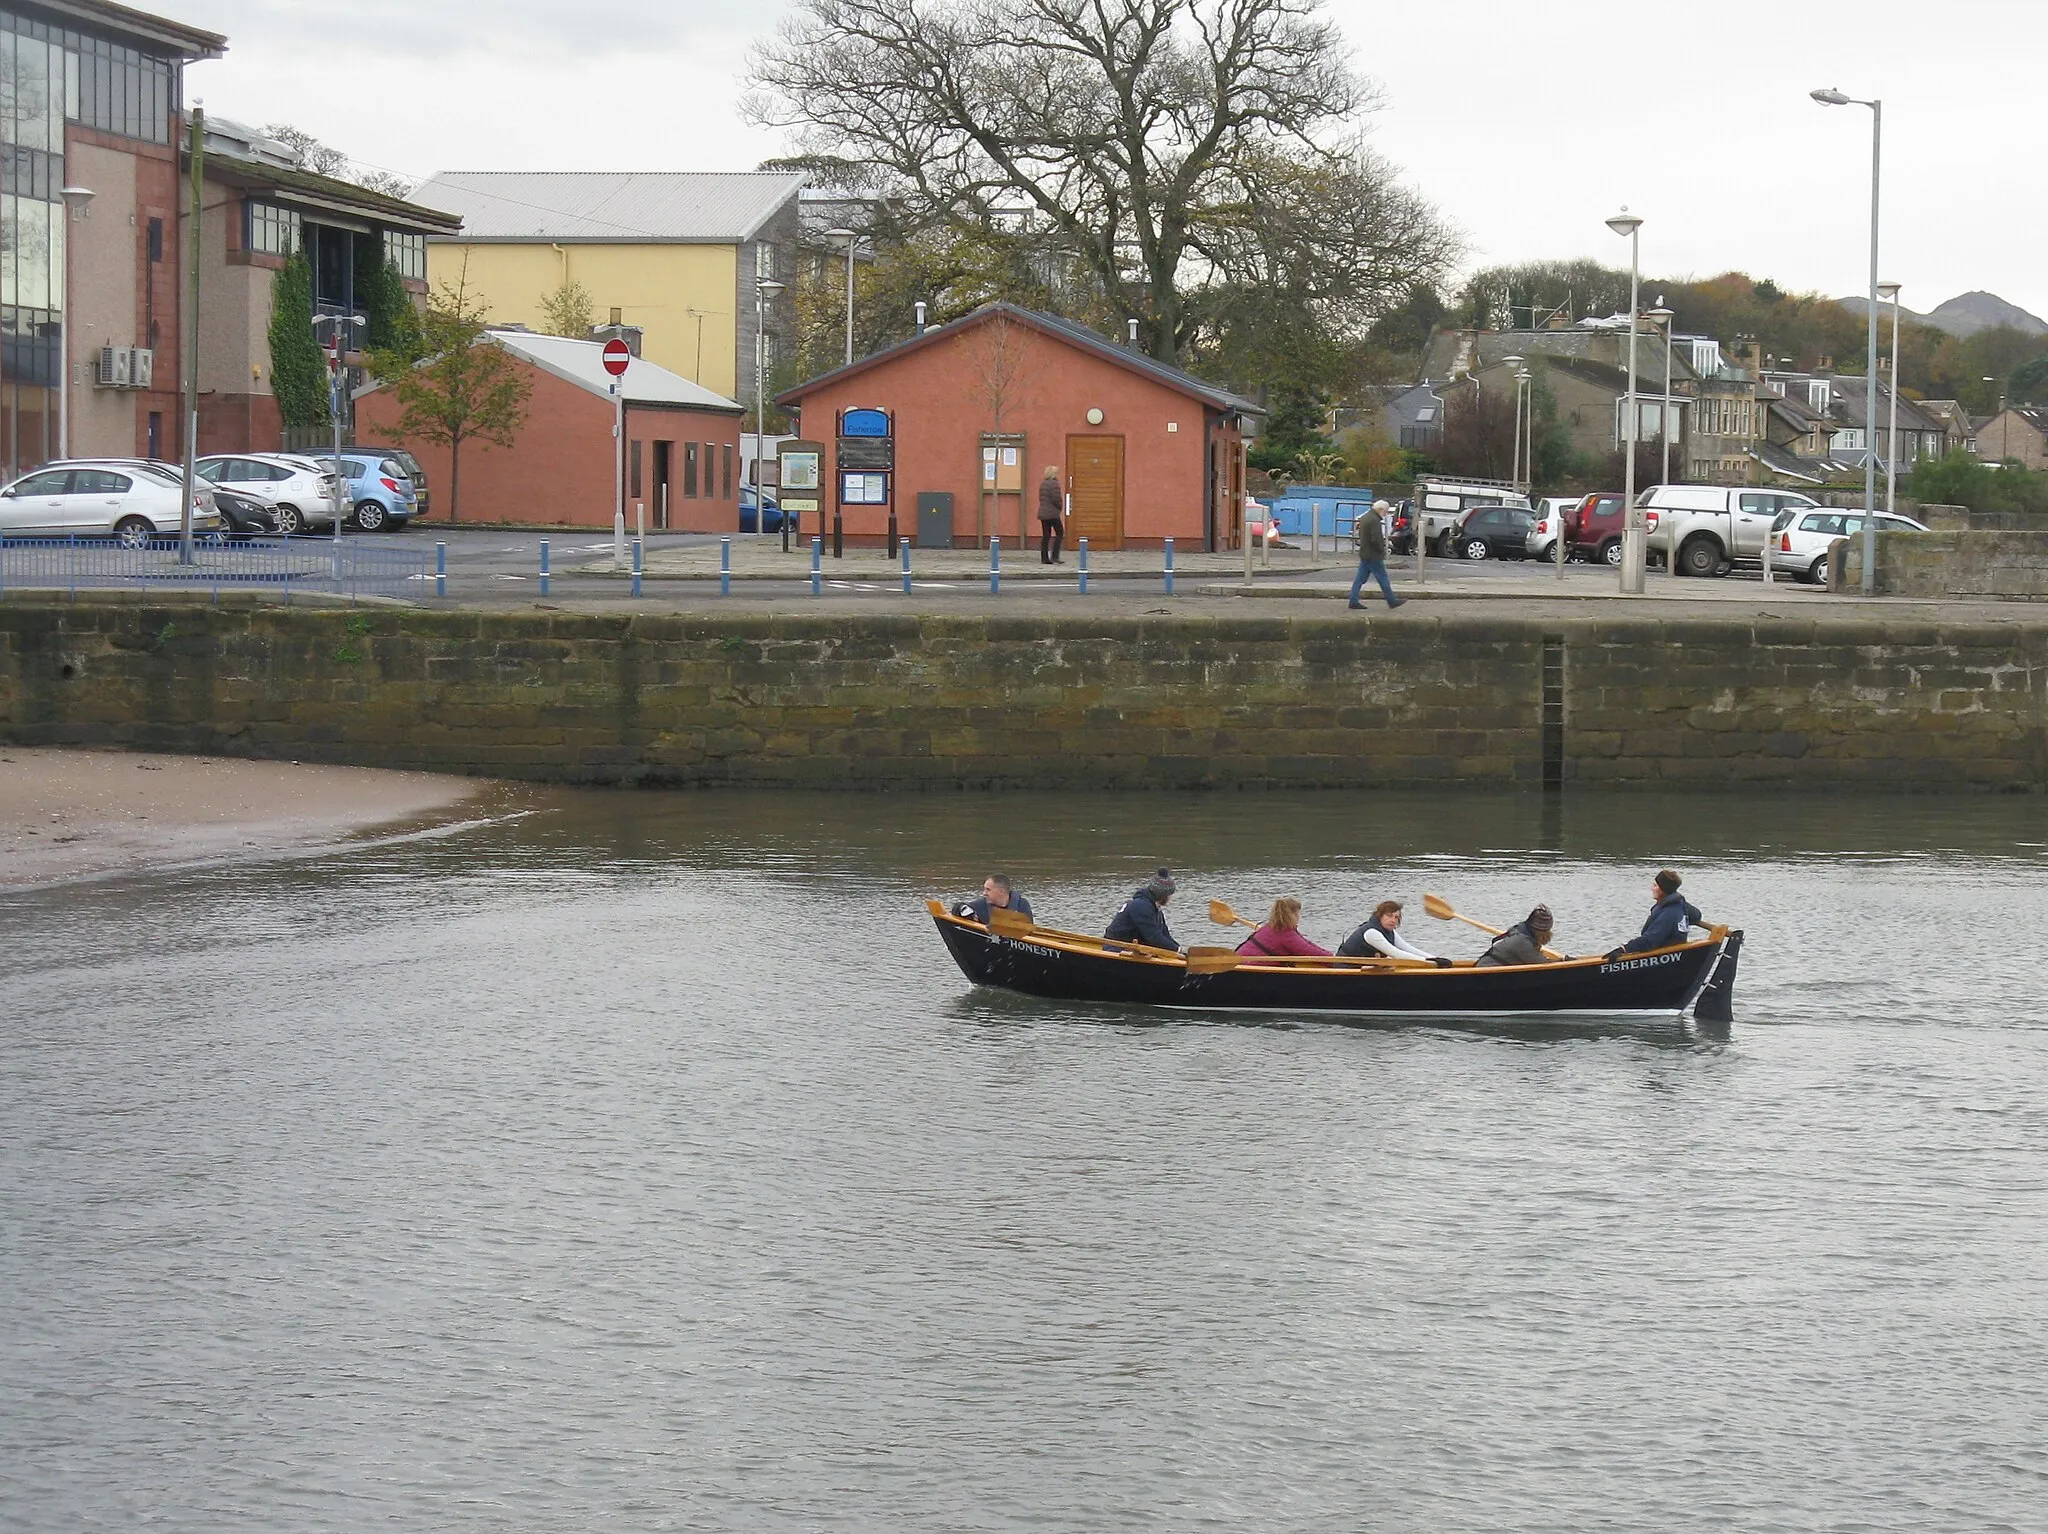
(643,1163)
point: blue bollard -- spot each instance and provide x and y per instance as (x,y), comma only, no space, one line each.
(440,569)
(1084,567)
(636,569)
(1169,567)
(725,567)
(906,567)
(543,567)
(817,566)
(995,566)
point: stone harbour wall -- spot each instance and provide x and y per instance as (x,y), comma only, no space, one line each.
(993,700)
(2010,564)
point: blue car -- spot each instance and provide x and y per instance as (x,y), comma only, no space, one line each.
(380,490)
(774,514)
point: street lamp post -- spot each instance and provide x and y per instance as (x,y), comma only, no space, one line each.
(1626,223)
(1891,437)
(335,372)
(1526,413)
(1515,453)
(1662,318)
(78,203)
(851,239)
(1834,98)
(765,288)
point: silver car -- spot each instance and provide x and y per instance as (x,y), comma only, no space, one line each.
(299,491)
(127,500)
(1801,538)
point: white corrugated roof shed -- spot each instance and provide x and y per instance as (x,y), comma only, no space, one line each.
(582,363)
(680,207)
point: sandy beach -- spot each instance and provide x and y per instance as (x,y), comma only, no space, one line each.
(67,814)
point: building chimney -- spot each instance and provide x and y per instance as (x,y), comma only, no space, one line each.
(1132,340)
(920,316)
(618,316)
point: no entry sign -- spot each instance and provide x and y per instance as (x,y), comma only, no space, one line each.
(616,356)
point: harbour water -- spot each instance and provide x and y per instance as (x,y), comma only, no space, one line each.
(641,1162)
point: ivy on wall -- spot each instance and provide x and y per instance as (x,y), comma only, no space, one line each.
(298,371)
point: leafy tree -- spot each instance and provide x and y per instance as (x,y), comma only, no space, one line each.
(1961,479)
(1293,428)
(298,367)
(1186,156)
(466,387)
(2029,382)
(568,311)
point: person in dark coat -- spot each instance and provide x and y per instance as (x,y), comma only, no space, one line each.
(1523,943)
(1052,517)
(1369,532)
(996,894)
(1143,920)
(1670,916)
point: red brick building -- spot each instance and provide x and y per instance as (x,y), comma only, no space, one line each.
(682,445)
(981,407)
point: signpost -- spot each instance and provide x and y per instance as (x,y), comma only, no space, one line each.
(618,356)
(799,480)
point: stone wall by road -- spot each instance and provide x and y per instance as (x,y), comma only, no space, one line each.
(941,700)
(2009,564)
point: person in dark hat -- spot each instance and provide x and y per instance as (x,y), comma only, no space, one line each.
(1670,917)
(1523,943)
(1143,918)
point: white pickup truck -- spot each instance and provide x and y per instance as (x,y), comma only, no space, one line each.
(1710,529)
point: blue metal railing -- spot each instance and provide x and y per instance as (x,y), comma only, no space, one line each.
(351,567)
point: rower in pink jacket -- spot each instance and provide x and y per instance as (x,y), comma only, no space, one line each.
(1281,933)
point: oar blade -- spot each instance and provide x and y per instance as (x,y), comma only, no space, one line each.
(1221,914)
(1210,961)
(1439,907)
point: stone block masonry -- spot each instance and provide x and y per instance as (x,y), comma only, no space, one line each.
(944,700)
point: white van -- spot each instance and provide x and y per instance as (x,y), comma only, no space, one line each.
(1441,505)
(1709,529)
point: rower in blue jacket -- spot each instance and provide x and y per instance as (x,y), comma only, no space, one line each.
(1670,917)
(1143,919)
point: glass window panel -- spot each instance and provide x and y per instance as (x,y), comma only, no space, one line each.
(10,237)
(32,254)
(71,92)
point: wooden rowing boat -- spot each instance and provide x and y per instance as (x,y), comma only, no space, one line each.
(1694,979)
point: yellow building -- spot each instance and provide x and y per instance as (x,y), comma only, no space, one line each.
(678,255)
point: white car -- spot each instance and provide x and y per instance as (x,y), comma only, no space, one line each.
(1710,529)
(1800,541)
(1551,512)
(128,500)
(298,490)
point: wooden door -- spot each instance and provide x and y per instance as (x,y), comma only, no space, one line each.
(1095,480)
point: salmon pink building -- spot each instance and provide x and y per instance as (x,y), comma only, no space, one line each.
(682,445)
(965,419)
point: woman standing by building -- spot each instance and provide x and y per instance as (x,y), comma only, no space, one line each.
(1052,517)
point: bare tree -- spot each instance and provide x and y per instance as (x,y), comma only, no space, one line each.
(1000,352)
(1181,150)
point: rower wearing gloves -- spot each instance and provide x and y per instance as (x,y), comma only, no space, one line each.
(1672,917)
(1380,936)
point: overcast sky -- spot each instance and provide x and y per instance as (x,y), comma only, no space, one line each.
(1528,124)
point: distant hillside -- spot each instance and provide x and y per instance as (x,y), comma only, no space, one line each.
(1968,313)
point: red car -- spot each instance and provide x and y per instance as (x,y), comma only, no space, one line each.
(1595,529)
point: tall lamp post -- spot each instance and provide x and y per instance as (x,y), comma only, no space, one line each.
(852,239)
(1890,290)
(78,203)
(765,288)
(336,371)
(1627,224)
(1834,98)
(1515,454)
(1662,317)
(1527,415)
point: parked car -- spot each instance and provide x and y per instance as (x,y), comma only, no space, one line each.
(1443,504)
(773,516)
(1800,541)
(1494,532)
(1401,528)
(1709,529)
(415,472)
(1597,526)
(1552,512)
(379,493)
(299,491)
(131,501)
(243,515)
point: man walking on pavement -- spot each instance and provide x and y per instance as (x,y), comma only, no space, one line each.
(1369,532)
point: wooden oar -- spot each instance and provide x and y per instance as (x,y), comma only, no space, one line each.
(1004,922)
(1221,914)
(1441,909)
(1209,961)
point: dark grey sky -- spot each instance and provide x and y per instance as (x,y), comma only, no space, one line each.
(1527,123)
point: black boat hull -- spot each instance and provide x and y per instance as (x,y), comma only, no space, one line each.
(1695,978)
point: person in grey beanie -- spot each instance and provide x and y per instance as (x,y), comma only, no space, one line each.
(1523,943)
(1143,919)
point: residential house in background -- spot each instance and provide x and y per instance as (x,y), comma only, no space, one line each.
(1958,428)
(1839,400)
(1794,449)
(261,206)
(679,255)
(92,94)
(2018,434)
(1403,415)
(1726,423)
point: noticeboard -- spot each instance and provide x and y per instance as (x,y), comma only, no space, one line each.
(863,489)
(800,473)
(867,453)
